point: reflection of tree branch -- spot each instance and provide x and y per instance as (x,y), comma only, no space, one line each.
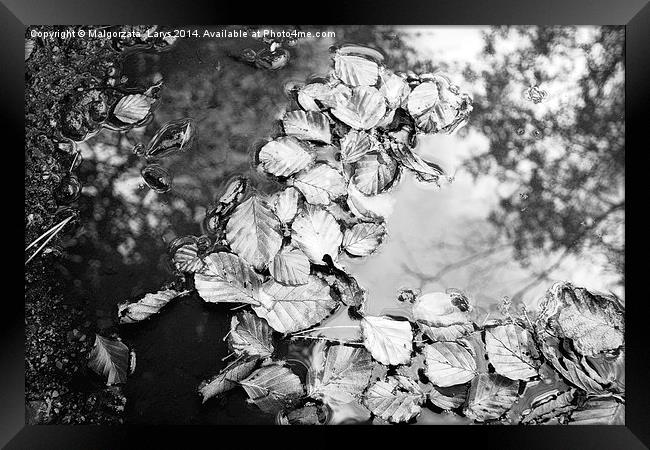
(543,275)
(425,278)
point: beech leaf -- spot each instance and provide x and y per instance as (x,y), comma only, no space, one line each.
(389,341)
(250,335)
(361,109)
(363,238)
(285,156)
(320,185)
(285,204)
(109,358)
(449,364)
(227,278)
(355,70)
(511,351)
(310,126)
(147,306)
(133,108)
(490,396)
(290,267)
(395,399)
(228,378)
(317,233)
(356,144)
(374,173)
(273,387)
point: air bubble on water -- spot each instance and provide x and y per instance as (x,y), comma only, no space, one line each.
(157,178)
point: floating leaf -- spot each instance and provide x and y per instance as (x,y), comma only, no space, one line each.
(374,173)
(253,232)
(490,396)
(362,109)
(310,126)
(599,412)
(272,387)
(185,253)
(250,335)
(448,398)
(293,308)
(363,238)
(284,156)
(227,278)
(356,144)
(290,267)
(309,414)
(228,378)
(373,207)
(436,105)
(449,363)
(389,341)
(446,334)
(133,108)
(394,88)
(325,94)
(424,170)
(320,185)
(595,323)
(147,306)
(342,376)
(397,399)
(109,358)
(541,401)
(511,351)
(285,204)
(355,70)
(317,233)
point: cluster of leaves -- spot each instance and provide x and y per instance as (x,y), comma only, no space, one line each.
(338,157)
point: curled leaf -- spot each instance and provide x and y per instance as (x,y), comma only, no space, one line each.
(599,412)
(424,170)
(147,306)
(109,358)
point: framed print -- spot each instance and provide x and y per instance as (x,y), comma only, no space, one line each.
(400,216)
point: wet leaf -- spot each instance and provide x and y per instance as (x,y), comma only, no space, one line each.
(389,341)
(541,402)
(290,267)
(109,358)
(437,105)
(449,364)
(253,232)
(424,170)
(448,398)
(293,308)
(317,233)
(362,109)
(397,399)
(133,108)
(324,93)
(363,238)
(599,412)
(250,335)
(356,144)
(310,126)
(440,309)
(446,334)
(228,378)
(595,323)
(176,136)
(227,278)
(320,185)
(147,306)
(272,387)
(355,70)
(372,207)
(342,376)
(394,88)
(285,156)
(186,255)
(374,173)
(490,396)
(511,351)
(285,204)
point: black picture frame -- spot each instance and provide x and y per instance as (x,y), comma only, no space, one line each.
(15,15)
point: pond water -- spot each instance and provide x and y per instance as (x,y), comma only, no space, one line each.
(438,239)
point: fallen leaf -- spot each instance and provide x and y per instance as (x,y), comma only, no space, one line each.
(395,399)
(389,341)
(361,109)
(310,126)
(490,396)
(285,204)
(511,351)
(448,398)
(250,335)
(317,233)
(147,306)
(371,207)
(355,70)
(228,378)
(273,387)
(599,412)
(356,144)
(449,364)
(227,278)
(320,185)
(285,156)
(363,238)
(109,358)
(290,267)
(424,170)
(133,108)
(374,173)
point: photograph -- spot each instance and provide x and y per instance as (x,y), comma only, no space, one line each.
(325,225)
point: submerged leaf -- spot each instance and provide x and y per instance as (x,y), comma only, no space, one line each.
(227,278)
(449,364)
(253,232)
(343,375)
(293,308)
(228,378)
(397,399)
(310,126)
(320,185)
(147,306)
(290,267)
(490,396)
(317,233)
(109,358)
(389,341)
(362,109)
(273,387)
(363,238)
(250,335)
(285,156)
(511,351)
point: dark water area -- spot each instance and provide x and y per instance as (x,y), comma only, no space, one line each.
(121,251)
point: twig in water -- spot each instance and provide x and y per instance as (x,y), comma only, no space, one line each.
(51,232)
